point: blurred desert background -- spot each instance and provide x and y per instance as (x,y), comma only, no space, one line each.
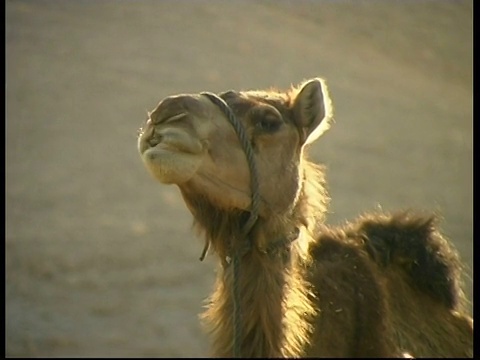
(101,260)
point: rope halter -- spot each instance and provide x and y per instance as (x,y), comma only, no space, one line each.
(238,252)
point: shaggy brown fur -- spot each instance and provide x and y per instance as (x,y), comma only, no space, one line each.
(381,286)
(399,279)
(385,285)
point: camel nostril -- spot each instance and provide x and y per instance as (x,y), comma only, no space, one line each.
(154,140)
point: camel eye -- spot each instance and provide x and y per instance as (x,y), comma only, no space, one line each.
(269,123)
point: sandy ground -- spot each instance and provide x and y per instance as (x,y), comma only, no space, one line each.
(101,259)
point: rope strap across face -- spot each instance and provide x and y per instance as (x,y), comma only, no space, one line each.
(247,148)
(254,209)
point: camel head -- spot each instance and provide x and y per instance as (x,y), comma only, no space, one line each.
(188,141)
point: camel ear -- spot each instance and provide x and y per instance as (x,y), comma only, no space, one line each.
(312,109)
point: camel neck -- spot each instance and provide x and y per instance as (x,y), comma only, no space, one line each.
(274,301)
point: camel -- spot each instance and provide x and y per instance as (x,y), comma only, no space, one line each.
(382,285)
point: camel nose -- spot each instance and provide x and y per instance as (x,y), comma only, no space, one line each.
(153,140)
(175,105)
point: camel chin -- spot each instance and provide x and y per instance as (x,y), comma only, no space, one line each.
(169,166)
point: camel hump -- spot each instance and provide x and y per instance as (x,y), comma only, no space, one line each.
(413,242)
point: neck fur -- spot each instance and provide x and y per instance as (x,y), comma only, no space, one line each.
(275,299)
(275,305)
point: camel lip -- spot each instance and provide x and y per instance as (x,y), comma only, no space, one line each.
(170,136)
(177,147)
(173,146)
(171,166)
(166,151)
